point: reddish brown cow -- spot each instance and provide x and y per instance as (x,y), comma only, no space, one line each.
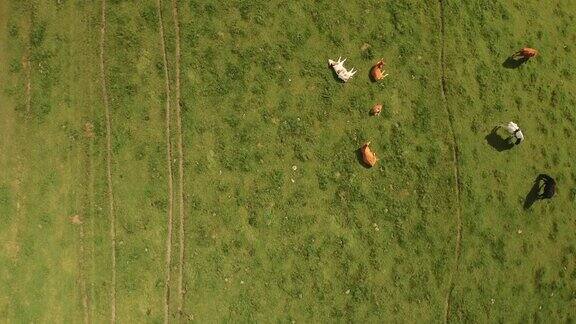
(368,156)
(376,71)
(526,53)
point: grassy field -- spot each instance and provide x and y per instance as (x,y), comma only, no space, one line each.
(194,160)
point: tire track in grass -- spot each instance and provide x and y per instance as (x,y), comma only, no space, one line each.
(168,164)
(108,161)
(86,207)
(180,158)
(28,88)
(91,204)
(89,130)
(27,64)
(13,243)
(82,274)
(456,165)
(90,143)
(88,211)
(78,220)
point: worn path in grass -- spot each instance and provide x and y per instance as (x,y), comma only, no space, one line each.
(181,210)
(456,163)
(168,164)
(111,210)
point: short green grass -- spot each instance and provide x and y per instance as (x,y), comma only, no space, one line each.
(282,221)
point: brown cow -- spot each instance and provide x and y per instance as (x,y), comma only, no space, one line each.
(375,111)
(526,53)
(368,156)
(376,72)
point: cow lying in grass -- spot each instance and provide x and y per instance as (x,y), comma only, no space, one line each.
(341,71)
(376,110)
(548,186)
(376,72)
(368,157)
(514,132)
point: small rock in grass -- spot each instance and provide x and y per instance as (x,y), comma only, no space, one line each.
(89,130)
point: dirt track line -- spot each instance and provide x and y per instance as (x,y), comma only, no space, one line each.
(28,69)
(91,211)
(169,165)
(180,158)
(108,161)
(88,212)
(27,64)
(82,259)
(82,276)
(456,167)
(19,198)
(87,203)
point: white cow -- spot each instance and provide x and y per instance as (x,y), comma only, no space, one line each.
(340,70)
(514,131)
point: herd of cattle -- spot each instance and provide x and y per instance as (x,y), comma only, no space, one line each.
(545,185)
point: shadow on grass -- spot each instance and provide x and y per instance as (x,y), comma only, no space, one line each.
(497,142)
(534,193)
(513,63)
(361,159)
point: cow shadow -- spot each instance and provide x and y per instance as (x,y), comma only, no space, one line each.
(360,158)
(514,63)
(498,142)
(534,193)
